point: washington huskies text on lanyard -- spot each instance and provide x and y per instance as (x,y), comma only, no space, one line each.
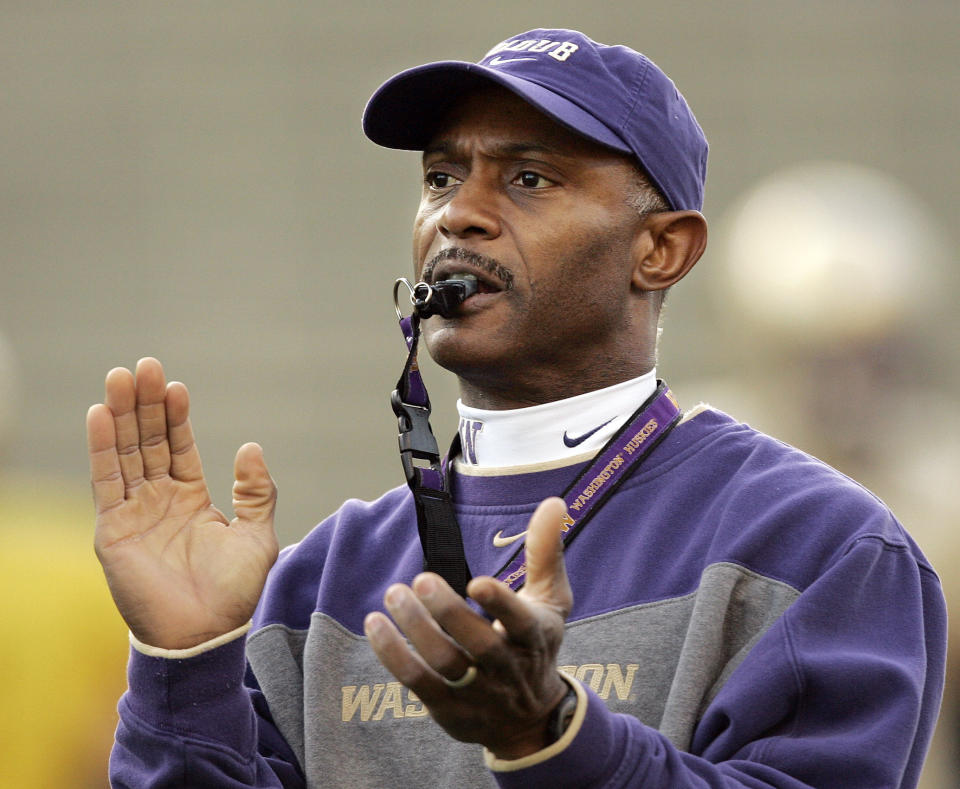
(422,466)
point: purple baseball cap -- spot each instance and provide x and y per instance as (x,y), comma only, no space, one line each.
(609,94)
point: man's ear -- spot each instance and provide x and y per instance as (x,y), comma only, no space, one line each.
(667,247)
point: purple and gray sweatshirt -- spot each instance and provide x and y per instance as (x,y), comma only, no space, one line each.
(744,616)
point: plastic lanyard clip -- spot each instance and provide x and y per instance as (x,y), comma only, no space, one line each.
(415,438)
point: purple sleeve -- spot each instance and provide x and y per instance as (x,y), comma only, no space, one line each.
(843,690)
(193,722)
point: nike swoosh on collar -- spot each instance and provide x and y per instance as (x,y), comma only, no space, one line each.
(499,61)
(502,542)
(573,442)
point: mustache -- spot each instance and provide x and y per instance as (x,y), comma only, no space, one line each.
(488,265)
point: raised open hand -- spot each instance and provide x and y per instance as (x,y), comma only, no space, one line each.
(497,683)
(179,572)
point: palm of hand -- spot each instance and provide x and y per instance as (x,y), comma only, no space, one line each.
(183,563)
(179,572)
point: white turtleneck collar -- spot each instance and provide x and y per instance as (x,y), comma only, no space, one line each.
(552,431)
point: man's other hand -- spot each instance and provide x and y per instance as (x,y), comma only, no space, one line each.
(506,705)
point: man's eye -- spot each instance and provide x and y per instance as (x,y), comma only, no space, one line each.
(440,180)
(532,180)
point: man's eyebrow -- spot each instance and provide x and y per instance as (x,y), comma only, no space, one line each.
(504,149)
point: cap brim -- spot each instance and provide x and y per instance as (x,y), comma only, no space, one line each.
(408,109)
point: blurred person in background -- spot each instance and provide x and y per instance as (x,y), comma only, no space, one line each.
(735,612)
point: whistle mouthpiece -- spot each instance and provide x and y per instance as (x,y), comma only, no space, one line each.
(443,298)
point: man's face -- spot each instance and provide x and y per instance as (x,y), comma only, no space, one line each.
(540,216)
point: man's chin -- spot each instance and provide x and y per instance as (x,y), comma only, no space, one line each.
(462,350)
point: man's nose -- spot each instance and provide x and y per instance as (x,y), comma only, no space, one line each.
(471,212)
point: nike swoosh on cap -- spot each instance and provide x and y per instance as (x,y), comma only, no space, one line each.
(499,61)
(573,442)
(501,542)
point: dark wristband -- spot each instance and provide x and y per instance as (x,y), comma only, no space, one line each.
(561,716)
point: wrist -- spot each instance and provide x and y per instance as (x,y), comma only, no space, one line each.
(501,763)
(547,731)
(562,714)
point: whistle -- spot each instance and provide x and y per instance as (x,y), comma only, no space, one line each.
(442,298)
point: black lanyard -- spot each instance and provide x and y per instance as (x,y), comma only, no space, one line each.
(436,521)
(420,456)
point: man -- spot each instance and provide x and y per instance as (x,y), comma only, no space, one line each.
(733,613)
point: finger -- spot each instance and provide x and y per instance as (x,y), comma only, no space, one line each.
(152,418)
(406,665)
(185,462)
(254,491)
(546,571)
(515,616)
(105,474)
(436,648)
(121,399)
(469,629)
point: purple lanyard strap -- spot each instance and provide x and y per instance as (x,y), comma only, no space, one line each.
(621,456)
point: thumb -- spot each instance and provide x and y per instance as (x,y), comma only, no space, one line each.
(254,491)
(546,571)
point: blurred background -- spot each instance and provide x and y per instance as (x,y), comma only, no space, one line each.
(189,181)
